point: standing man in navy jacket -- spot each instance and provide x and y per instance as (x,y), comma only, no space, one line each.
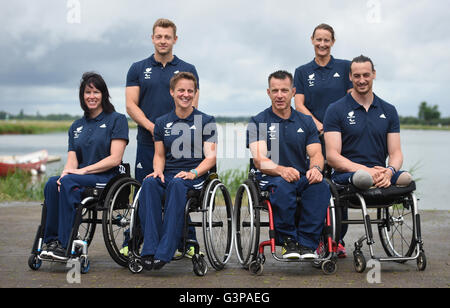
(147,91)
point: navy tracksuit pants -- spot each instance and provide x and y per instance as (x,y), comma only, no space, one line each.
(61,204)
(283,196)
(163,233)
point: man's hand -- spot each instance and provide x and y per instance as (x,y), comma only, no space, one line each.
(156,174)
(314,175)
(290,174)
(383,177)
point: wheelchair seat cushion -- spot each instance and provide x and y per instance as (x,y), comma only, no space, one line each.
(375,196)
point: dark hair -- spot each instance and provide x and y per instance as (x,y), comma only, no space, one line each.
(94,79)
(324,27)
(362,59)
(182,75)
(280,74)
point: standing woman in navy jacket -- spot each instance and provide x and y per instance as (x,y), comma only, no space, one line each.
(322,81)
(97,142)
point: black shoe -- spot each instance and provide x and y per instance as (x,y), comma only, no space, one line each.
(147,262)
(58,253)
(48,248)
(158,264)
(307,253)
(290,249)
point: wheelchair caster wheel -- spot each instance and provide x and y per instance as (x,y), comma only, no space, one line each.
(135,266)
(421,261)
(200,265)
(359,262)
(85,265)
(34,262)
(256,268)
(329,267)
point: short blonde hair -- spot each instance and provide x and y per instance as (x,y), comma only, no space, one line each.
(165,23)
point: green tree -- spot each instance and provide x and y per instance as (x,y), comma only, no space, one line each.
(428,113)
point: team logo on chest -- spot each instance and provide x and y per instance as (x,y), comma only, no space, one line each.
(148,73)
(311,79)
(272,132)
(168,129)
(77,132)
(351,118)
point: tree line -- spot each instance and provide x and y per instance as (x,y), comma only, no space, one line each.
(427,115)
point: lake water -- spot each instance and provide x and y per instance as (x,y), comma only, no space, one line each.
(425,153)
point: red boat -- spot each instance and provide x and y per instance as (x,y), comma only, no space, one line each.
(34,162)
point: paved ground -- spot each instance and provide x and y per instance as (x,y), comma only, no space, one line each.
(19,222)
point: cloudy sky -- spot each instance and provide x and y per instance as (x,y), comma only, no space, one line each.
(46,45)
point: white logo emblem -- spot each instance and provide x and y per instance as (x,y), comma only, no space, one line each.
(168,129)
(300,130)
(147,73)
(139,166)
(383,116)
(351,118)
(77,132)
(272,132)
(311,79)
(192,127)
(103,126)
(336,75)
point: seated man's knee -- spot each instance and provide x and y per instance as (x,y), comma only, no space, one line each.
(404,179)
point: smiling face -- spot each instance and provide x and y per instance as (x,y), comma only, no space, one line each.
(93,99)
(322,42)
(163,39)
(362,76)
(183,93)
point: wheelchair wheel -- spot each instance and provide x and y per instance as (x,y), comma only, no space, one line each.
(247,223)
(117,216)
(86,230)
(217,224)
(397,231)
(34,262)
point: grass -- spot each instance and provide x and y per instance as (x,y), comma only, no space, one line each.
(28,127)
(232,179)
(22,186)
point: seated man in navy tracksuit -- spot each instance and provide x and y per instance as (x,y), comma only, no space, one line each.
(185,150)
(282,140)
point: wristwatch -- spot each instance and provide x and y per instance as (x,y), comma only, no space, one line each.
(194,172)
(318,168)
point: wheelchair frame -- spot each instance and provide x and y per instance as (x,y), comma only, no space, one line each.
(348,196)
(255,258)
(94,200)
(202,201)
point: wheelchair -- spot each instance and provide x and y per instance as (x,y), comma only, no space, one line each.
(112,200)
(249,204)
(398,222)
(213,203)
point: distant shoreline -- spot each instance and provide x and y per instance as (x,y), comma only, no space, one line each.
(32,127)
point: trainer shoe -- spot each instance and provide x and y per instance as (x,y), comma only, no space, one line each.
(158,264)
(59,253)
(307,253)
(341,252)
(189,253)
(48,247)
(124,251)
(147,262)
(290,249)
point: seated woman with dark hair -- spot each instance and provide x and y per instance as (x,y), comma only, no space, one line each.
(185,150)
(97,143)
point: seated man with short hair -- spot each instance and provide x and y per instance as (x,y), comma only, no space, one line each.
(361,132)
(281,141)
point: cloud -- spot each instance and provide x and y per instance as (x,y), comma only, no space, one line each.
(234,44)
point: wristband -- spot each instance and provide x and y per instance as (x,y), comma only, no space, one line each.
(392,169)
(194,172)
